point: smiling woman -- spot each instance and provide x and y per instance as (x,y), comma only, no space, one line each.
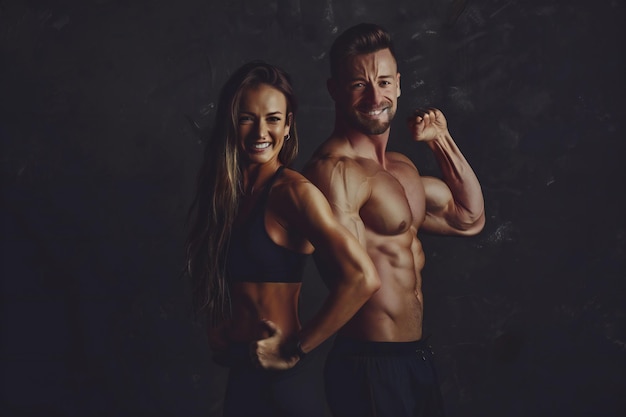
(263,123)
(255,221)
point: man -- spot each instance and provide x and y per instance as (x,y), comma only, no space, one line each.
(379,365)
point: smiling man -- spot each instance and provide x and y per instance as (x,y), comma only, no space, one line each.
(379,364)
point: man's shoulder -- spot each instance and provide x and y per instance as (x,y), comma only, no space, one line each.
(327,162)
(332,157)
(329,154)
(332,169)
(334,146)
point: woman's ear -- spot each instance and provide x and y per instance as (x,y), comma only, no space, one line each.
(288,123)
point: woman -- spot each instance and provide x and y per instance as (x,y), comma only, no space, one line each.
(256,220)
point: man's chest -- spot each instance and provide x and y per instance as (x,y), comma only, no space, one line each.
(396,200)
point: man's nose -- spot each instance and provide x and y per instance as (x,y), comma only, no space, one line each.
(373,94)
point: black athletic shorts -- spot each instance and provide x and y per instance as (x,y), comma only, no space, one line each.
(382,379)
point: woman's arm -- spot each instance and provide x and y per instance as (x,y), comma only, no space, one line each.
(346,268)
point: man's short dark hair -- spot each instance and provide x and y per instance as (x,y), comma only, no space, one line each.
(364,38)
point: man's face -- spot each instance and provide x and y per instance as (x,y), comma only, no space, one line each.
(366,93)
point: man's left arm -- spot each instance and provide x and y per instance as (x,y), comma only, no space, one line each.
(454,205)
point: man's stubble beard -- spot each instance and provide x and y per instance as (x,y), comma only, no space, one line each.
(369,127)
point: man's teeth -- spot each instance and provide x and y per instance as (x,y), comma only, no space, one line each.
(375,112)
(263,145)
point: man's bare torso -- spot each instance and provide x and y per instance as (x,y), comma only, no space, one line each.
(384,206)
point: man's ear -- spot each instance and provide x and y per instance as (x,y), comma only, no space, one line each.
(331,86)
(398,82)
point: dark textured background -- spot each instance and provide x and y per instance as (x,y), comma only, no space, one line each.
(100,104)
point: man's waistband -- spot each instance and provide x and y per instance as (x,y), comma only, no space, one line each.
(344,345)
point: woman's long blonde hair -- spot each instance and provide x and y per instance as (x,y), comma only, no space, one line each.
(216,203)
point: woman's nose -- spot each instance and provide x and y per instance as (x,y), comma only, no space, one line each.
(261,130)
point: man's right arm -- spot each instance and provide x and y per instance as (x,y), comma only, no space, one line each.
(345,189)
(342,261)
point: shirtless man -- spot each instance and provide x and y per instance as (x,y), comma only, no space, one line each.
(379,365)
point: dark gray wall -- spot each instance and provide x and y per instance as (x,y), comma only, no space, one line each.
(99,105)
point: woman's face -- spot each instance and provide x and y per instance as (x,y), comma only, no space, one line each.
(263,123)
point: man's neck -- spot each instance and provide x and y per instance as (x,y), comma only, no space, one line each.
(364,145)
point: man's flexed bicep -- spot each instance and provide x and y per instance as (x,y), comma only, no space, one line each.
(454,205)
(446,214)
(345,187)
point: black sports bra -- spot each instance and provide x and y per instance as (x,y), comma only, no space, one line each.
(252,254)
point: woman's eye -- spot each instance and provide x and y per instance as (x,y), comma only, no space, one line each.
(245,119)
(273,119)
